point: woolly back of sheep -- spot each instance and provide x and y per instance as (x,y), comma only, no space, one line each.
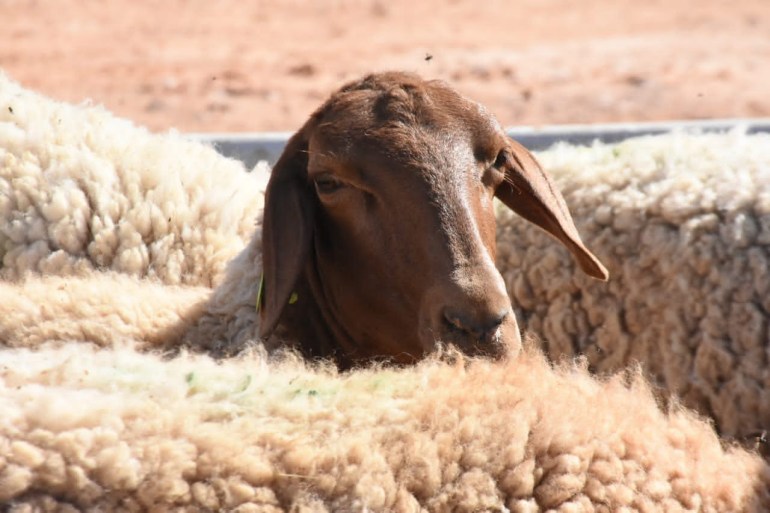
(81,189)
(683,223)
(469,436)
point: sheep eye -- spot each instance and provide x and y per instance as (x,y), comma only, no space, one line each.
(327,184)
(501,160)
(495,174)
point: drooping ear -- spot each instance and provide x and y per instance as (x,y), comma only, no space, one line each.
(287,231)
(530,192)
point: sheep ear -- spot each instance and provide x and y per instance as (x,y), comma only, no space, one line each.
(287,226)
(530,192)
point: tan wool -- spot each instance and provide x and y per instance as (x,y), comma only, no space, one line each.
(129,258)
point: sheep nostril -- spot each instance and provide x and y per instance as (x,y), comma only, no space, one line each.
(461,325)
(454,320)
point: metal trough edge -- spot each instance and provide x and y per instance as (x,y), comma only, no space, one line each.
(252,147)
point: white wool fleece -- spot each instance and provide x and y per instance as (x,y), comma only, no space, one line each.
(80,193)
(106,309)
(94,430)
(682,221)
(81,189)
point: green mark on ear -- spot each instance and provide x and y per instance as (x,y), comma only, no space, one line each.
(260,292)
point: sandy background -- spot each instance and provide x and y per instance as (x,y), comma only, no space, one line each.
(233,65)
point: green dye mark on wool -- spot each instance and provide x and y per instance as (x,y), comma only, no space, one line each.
(193,387)
(245,384)
(298,393)
(217,387)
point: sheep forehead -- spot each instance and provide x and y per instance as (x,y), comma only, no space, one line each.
(408,123)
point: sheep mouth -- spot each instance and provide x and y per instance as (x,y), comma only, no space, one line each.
(491,345)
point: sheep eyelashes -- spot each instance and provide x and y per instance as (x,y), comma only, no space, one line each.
(379,223)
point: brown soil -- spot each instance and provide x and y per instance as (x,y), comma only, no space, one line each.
(233,65)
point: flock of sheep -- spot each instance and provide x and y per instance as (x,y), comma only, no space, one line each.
(372,360)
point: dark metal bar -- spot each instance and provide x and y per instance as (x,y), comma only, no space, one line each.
(251,148)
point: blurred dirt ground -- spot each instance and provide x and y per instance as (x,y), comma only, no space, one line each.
(236,65)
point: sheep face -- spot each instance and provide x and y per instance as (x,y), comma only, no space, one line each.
(379,226)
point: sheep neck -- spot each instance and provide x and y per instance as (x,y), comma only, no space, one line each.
(319,329)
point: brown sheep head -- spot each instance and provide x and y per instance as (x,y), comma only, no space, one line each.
(379,226)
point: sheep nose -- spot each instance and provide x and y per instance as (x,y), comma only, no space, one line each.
(478,327)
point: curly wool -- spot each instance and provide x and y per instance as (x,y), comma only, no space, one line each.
(106,309)
(115,429)
(682,221)
(81,189)
(247,435)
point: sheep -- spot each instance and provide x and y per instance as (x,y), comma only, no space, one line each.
(81,190)
(379,222)
(109,233)
(246,434)
(683,223)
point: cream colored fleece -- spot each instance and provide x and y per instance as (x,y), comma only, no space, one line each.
(95,430)
(86,257)
(683,224)
(81,189)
